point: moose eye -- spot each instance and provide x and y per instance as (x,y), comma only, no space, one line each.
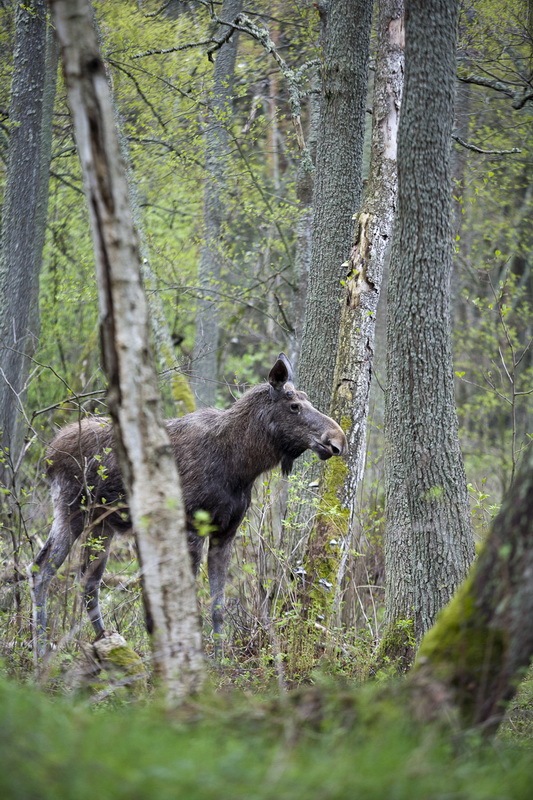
(295,407)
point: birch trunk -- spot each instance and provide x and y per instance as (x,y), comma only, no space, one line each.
(428,542)
(144,451)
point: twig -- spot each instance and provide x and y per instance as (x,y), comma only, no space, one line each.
(519,98)
(481,151)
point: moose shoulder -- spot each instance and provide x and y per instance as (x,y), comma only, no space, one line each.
(219,454)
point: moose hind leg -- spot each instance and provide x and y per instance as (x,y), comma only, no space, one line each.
(96,553)
(63,533)
(217,567)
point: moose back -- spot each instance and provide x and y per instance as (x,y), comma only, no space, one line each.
(219,455)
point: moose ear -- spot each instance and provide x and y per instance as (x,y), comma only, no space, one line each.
(281,373)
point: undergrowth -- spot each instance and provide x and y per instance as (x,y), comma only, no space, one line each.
(322,741)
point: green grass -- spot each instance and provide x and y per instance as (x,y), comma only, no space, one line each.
(322,741)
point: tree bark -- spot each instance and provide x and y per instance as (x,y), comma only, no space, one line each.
(373,234)
(205,365)
(304,188)
(475,655)
(428,544)
(330,538)
(338,185)
(24,213)
(144,450)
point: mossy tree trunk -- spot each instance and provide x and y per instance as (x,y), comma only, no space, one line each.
(330,537)
(373,234)
(428,542)
(475,655)
(143,447)
(345,39)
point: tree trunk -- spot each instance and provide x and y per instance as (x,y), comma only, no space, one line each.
(304,188)
(24,213)
(212,248)
(474,657)
(373,233)
(330,538)
(144,450)
(338,185)
(429,544)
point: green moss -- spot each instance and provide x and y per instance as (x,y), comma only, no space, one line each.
(180,387)
(462,650)
(331,524)
(333,482)
(461,633)
(182,395)
(396,649)
(125,660)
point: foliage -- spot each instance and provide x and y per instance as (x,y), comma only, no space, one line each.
(495,362)
(257,748)
(322,741)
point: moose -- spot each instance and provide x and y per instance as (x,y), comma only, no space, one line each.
(219,455)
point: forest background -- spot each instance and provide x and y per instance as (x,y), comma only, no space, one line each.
(186,145)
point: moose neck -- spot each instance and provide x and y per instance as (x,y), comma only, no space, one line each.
(247,431)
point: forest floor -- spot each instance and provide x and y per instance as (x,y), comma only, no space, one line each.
(330,738)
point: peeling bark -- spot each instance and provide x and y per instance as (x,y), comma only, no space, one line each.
(338,185)
(362,284)
(144,450)
(373,233)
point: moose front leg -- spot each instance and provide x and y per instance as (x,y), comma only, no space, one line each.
(217,569)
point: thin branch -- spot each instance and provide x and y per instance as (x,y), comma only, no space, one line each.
(288,324)
(481,151)
(177,49)
(519,98)
(61,179)
(526,348)
(159,10)
(140,92)
(168,146)
(165,82)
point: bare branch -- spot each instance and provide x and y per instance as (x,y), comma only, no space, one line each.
(177,49)
(476,149)
(519,98)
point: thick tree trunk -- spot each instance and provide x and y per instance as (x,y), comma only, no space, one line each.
(145,454)
(330,538)
(205,365)
(475,655)
(429,544)
(338,185)
(24,212)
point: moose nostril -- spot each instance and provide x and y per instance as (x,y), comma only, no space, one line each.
(334,449)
